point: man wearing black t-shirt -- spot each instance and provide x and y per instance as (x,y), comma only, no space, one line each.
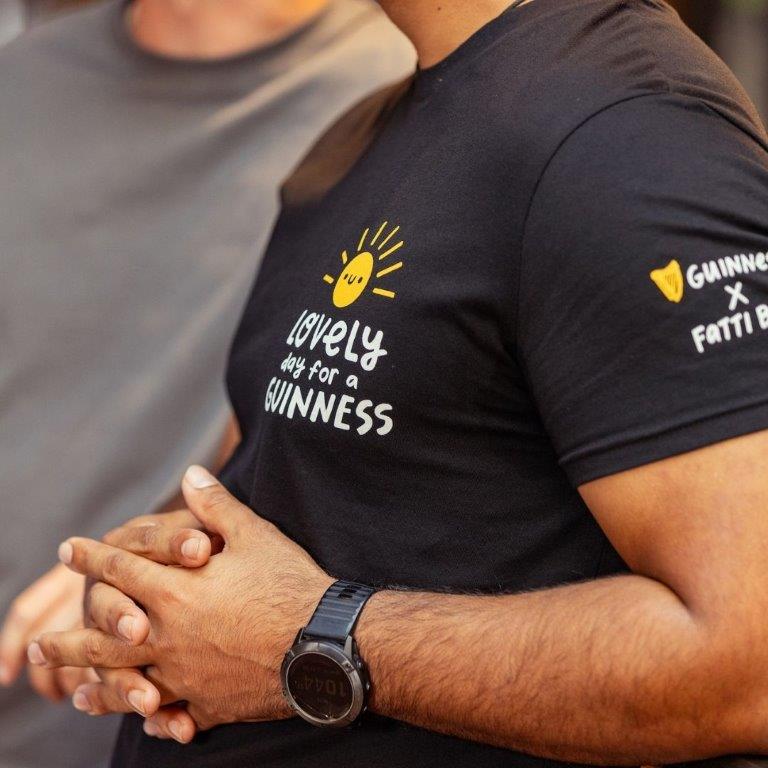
(508,351)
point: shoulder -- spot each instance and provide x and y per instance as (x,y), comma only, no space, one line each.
(75,39)
(584,56)
(655,147)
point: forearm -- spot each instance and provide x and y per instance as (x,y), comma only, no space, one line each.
(613,671)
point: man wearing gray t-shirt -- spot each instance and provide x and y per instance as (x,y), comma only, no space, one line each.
(142,148)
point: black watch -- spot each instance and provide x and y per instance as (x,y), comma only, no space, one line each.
(324,679)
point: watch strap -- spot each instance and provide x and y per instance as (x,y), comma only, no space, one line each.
(338,611)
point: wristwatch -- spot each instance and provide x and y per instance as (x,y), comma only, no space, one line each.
(324,679)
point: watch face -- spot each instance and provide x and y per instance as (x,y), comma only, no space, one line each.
(320,686)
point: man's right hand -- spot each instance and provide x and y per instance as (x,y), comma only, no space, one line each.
(172,538)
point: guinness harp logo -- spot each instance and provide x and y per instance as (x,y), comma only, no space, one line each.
(670,281)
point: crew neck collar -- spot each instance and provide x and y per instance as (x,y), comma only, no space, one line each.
(254,55)
(429,79)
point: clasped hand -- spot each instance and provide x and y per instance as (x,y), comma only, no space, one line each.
(210,640)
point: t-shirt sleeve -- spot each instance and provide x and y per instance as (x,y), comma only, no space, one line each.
(643,310)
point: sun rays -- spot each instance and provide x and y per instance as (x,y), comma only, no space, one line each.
(358,272)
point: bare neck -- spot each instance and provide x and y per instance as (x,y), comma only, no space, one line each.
(439,27)
(215,29)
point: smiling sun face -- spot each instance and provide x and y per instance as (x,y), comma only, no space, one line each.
(359,271)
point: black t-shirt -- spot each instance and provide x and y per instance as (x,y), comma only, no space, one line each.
(541,262)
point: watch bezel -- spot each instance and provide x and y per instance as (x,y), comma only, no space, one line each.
(347,658)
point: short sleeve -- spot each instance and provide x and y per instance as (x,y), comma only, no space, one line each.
(643,308)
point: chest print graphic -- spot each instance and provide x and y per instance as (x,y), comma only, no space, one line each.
(326,371)
(357,273)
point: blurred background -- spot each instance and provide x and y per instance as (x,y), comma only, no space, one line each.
(736,29)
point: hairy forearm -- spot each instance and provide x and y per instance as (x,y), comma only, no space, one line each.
(614,671)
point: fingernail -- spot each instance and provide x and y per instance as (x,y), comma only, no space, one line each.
(199,477)
(136,700)
(191,548)
(35,654)
(125,627)
(175,728)
(66,552)
(150,728)
(80,701)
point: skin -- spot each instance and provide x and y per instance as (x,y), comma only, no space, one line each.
(179,601)
(52,603)
(438,27)
(215,29)
(656,666)
(55,601)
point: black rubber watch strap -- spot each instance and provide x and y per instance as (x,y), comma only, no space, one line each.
(338,610)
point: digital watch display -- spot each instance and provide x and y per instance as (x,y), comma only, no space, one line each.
(324,679)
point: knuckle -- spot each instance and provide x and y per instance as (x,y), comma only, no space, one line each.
(146,536)
(93,649)
(217,498)
(98,706)
(166,595)
(119,687)
(51,649)
(113,566)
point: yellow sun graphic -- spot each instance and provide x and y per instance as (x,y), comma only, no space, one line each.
(357,273)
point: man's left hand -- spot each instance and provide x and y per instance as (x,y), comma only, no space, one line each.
(218,633)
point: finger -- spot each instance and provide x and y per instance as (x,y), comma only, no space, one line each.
(27,613)
(56,684)
(171,722)
(85,648)
(69,679)
(116,614)
(211,503)
(163,544)
(120,690)
(177,518)
(135,576)
(45,683)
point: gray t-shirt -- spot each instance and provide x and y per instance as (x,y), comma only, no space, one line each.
(136,195)
(11,20)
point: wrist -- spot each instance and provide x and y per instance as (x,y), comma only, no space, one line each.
(296,605)
(371,634)
(325,680)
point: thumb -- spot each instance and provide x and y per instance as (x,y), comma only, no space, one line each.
(213,505)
